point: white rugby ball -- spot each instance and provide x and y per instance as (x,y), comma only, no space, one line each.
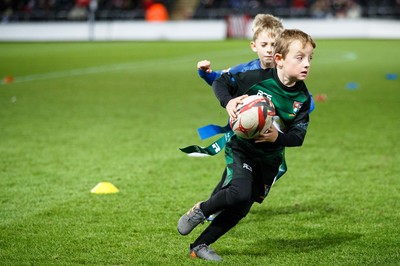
(254,117)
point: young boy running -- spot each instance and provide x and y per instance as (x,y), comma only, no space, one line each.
(266,28)
(252,165)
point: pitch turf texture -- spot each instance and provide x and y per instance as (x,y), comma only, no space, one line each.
(76,114)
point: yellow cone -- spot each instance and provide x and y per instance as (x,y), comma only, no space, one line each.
(104,188)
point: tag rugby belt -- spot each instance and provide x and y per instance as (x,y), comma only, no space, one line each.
(208,132)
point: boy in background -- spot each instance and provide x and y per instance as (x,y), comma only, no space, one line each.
(252,165)
(266,28)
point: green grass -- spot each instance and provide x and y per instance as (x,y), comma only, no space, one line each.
(78,114)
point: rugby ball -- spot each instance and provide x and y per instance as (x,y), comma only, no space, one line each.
(254,117)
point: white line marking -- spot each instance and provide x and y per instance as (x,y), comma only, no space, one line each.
(338,56)
(120,67)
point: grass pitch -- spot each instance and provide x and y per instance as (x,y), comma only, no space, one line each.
(76,114)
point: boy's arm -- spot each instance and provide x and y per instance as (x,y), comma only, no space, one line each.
(208,77)
(312,104)
(205,72)
(297,130)
(223,88)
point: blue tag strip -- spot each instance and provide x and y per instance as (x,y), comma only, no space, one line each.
(212,130)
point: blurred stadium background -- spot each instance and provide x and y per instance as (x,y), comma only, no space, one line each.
(66,20)
(74,114)
(72,10)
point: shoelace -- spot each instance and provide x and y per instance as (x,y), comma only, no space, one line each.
(196,219)
(207,249)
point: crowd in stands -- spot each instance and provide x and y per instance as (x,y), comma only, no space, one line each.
(300,8)
(64,10)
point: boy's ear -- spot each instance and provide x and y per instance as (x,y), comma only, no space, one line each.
(253,46)
(278,58)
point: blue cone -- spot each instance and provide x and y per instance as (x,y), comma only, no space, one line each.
(352,86)
(391,76)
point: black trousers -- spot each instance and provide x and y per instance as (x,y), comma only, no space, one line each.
(249,175)
(229,216)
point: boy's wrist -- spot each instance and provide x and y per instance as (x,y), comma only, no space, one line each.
(201,72)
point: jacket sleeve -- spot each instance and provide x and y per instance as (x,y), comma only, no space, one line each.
(209,77)
(224,88)
(296,133)
(312,104)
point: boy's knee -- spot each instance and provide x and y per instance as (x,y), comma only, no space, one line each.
(238,195)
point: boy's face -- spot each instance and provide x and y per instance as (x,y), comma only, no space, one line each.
(296,65)
(264,46)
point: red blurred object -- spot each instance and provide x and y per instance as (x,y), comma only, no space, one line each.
(320,97)
(157,12)
(147,4)
(8,79)
(82,3)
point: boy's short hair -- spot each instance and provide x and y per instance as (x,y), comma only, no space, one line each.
(288,36)
(268,23)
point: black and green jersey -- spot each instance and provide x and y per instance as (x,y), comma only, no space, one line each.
(292,104)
